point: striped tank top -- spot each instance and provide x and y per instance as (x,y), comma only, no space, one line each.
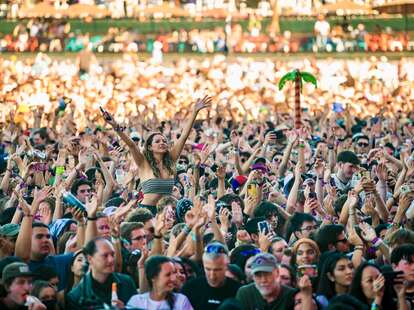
(157,186)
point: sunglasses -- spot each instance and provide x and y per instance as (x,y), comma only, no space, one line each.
(361,144)
(216,249)
(252,252)
(341,240)
(182,162)
(85,191)
(310,228)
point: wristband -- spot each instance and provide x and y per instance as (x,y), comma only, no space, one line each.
(186,230)
(92,218)
(27,215)
(376,242)
(60,170)
(374,306)
(157,236)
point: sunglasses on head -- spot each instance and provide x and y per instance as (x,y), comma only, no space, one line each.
(252,252)
(215,248)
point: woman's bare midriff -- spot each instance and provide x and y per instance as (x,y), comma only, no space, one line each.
(151,199)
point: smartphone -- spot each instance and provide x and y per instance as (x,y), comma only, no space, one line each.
(310,270)
(263,227)
(312,195)
(252,190)
(391,277)
(332,182)
(105,114)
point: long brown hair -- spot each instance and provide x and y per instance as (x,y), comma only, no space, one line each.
(149,156)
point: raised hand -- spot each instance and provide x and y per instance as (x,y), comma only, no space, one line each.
(367,232)
(40,195)
(202,104)
(92,206)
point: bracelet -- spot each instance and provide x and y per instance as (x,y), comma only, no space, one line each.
(27,215)
(186,230)
(358,247)
(93,218)
(302,145)
(374,306)
(157,236)
(376,242)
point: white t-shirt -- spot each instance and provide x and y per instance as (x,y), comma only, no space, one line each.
(143,301)
(322,27)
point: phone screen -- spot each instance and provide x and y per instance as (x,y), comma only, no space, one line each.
(263,227)
(309,270)
(252,190)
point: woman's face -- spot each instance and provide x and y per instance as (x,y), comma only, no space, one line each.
(159,144)
(166,279)
(343,272)
(47,293)
(181,276)
(305,254)
(368,276)
(78,265)
(298,302)
(284,277)
(278,249)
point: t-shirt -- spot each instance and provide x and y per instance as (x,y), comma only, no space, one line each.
(144,301)
(204,297)
(61,263)
(251,299)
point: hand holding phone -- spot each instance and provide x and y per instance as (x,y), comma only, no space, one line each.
(106,115)
(310,270)
(252,190)
(263,227)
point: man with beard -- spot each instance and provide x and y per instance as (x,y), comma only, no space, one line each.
(265,292)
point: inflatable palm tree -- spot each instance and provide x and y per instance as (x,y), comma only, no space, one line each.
(298,78)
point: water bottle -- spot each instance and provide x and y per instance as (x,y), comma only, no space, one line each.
(71,200)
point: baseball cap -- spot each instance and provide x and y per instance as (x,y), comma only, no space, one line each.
(264,262)
(9,230)
(15,270)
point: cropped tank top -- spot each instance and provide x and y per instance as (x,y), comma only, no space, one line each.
(157,186)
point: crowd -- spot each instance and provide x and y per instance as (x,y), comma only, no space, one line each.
(138,185)
(57,36)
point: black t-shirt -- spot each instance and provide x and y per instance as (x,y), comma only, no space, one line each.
(4,307)
(410,298)
(204,297)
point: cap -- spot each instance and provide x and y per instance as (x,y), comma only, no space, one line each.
(264,262)
(9,230)
(15,270)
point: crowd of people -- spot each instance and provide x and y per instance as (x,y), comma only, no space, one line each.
(139,185)
(57,36)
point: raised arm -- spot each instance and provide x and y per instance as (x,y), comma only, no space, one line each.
(179,145)
(136,153)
